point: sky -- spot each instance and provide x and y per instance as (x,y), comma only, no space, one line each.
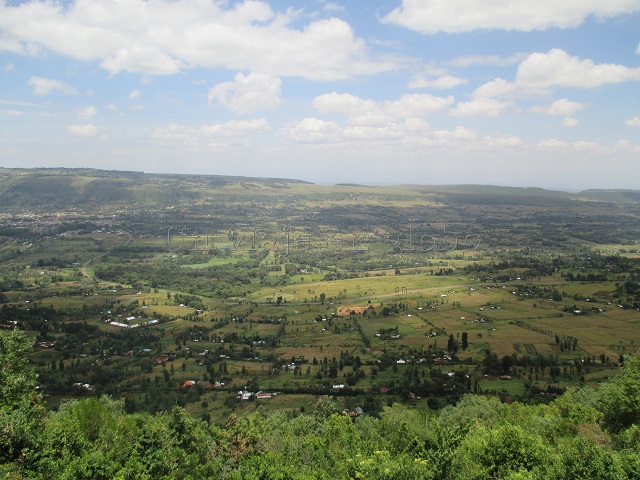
(541,93)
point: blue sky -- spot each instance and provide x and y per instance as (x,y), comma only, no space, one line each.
(502,92)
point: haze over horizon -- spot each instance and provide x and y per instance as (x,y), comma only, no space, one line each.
(422,92)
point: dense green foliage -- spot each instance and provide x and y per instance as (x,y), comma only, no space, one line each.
(583,434)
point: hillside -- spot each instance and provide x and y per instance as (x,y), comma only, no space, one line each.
(91,189)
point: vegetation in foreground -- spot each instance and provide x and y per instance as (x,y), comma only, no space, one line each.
(582,434)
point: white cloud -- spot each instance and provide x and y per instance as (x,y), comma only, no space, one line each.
(88,130)
(134,95)
(235,128)
(431,16)
(417,105)
(557,68)
(87,113)
(565,107)
(486,60)
(634,122)
(177,136)
(247,93)
(570,122)
(333,7)
(164,37)
(441,83)
(494,88)
(482,106)
(361,111)
(624,145)
(44,86)
(9,67)
(459,133)
(214,137)
(328,133)
(313,130)
(345,104)
(148,59)
(397,144)
(562,107)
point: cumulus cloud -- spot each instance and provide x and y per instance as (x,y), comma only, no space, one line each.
(214,136)
(441,83)
(345,104)
(313,130)
(412,137)
(361,111)
(235,128)
(557,68)
(134,95)
(432,16)
(482,106)
(562,107)
(9,67)
(164,37)
(333,7)
(540,73)
(87,113)
(570,122)
(486,60)
(634,122)
(494,88)
(328,133)
(87,130)
(45,86)
(177,136)
(417,105)
(247,93)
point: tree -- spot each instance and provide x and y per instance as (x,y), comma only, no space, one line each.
(21,411)
(500,452)
(322,297)
(620,401)
(452,344)
(465,340)
(324,407)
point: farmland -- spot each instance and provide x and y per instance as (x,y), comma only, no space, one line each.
(371,295)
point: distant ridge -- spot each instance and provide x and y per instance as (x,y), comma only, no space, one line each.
(63,188)
(518,194)
(618,196)
(51,189)
(355,185)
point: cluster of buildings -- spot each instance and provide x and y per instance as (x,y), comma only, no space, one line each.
(246,395)
(130,319)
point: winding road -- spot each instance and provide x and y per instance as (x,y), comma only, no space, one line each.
(85,265)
